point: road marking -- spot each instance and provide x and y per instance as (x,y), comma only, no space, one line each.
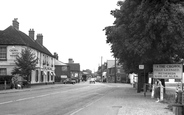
(89,104)
(23,99)
(6,102)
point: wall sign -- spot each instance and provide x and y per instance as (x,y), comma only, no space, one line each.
(14,52)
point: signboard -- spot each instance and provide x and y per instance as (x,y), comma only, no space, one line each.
(141,66)
(14,52)
(63,76)
(167,71)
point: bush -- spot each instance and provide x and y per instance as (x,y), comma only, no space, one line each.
(6,78)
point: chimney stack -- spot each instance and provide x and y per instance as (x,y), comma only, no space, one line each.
(31,33)
(70,60)
(40,39)
(16,23)
(56,55)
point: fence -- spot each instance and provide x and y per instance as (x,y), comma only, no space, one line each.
(5,85)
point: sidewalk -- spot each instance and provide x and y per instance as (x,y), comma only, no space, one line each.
(141,105)
(33,87)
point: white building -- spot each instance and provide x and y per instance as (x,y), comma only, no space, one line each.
(12,41)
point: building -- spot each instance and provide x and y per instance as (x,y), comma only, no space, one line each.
(74,69)
(61,70)
(115,74)
(13,41)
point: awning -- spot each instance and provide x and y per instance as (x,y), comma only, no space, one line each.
(52,73)
(44,73)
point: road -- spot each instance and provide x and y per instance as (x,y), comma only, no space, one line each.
(52,101)
(78,99)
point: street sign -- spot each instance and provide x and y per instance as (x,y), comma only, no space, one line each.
(167,71)
(141,66)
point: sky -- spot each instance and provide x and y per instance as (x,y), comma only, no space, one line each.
(71,28)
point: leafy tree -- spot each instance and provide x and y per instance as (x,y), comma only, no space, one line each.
(147,32)
(25,63)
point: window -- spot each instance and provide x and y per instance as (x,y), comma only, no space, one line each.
(3,53)
(36,79)
(177,80)
(3,71)
(52,76)
(41,78)
(48,76)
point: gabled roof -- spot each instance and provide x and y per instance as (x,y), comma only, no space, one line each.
(12,36)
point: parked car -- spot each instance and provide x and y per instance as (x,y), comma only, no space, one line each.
(92,80)
(69,81)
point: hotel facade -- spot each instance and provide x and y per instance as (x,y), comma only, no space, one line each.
(13,41)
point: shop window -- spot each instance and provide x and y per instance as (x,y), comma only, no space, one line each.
(3,53)
(3,71)
(36,77)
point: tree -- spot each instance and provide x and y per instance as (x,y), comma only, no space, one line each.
(147,32)
(25,63)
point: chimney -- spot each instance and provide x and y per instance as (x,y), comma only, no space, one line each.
(40,39)
(31,33)
(55,55)
(16,23)
(70,60)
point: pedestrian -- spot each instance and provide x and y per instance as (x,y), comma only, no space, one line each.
(178,89)
(157,90)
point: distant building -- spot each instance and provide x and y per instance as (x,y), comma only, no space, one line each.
(74,68)
(61,70)
(115,74)
(13,41)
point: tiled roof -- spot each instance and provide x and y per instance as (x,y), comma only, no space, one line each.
(12,36)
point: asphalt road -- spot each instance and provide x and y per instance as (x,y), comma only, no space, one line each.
(81,99)
(64,100)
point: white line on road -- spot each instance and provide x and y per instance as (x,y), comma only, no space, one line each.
(89,104)
(23,99)
(6,102)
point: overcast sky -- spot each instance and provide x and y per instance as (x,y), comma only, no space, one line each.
(72,28)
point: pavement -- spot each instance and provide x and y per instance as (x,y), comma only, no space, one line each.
(139,104)
(32,87)
(143,105)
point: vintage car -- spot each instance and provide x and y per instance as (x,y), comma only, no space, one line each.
(69,81)
(92,80)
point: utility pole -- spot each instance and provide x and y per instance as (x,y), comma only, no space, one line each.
(115,70)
